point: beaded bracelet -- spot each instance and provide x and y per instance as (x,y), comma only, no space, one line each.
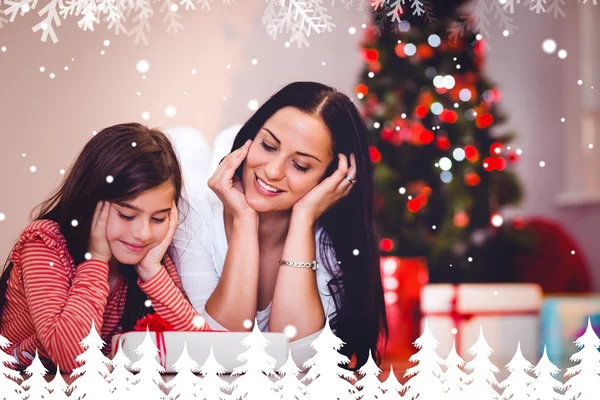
(312,265)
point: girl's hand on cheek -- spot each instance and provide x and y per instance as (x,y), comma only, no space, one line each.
(152,261)
(98,244)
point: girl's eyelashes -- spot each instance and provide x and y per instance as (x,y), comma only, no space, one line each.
(270,149)
(125,217)
(130,217)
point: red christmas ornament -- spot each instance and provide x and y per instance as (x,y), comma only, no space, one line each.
(461,219)
(426,137)
(489,163)
(386,134)
(375,154)
(421,111)
(472,179)
(449,116)
(496,149)
(518,222)
(484,120)
(501,163)
(471,153)
(424,51)
(369,55)
(442,143)
(386,244)
(513,157)
(414,205)
(362,89)
(399,50)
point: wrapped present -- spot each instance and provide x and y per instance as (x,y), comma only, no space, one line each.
(403,279)
(563,320)
(507,313)
(227,346)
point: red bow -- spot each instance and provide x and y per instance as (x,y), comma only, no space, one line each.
(154,323)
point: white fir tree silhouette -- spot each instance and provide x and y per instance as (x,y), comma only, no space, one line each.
(58,387)
(543,388)
(370,385)
(119,380)
(255,383)
(183,385)
(585,379)
(289,386)
(147,383)
(427,375)
(9,388)
(516,386)
(391,387)
(327,379)
(454,378)
(36,385)
(481,380)
(212,385)
(91,376)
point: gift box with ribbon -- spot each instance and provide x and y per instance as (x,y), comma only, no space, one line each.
(564,318)
(507,313)
(227,346)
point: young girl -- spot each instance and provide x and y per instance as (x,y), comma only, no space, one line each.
(289,238)
(96,251)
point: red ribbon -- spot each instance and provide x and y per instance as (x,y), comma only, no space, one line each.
(155,323)
(459,317)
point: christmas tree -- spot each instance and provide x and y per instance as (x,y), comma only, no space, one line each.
(585,376)
(370,386)
(427,374)
(212,385)
(91,383)
(391,387)
(545,385)
(9,388)
(517,385)
(454,377)
(148,382)
(184,385)
(481,381)
(289,386)
(36,385)
(254,382)
(58,387)
(120,378)
(444,189)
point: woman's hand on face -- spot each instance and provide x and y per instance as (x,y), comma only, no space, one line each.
(98,245)
(152,261)
(228,187)
(327,193)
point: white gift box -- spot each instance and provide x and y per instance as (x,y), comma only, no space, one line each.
(507,313)
(227,346)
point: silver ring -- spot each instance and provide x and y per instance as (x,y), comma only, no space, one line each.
(352,181)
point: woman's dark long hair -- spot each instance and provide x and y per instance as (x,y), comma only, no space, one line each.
(138,159)
(360,320)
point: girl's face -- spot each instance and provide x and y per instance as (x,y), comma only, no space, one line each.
(288,157)
(136,225)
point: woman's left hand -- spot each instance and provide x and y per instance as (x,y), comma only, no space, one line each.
(152,261)
(323,196)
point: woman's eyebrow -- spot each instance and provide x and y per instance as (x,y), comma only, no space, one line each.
(135,208)
(298,152)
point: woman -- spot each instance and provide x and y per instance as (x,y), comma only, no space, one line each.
(289,238)
(96,251)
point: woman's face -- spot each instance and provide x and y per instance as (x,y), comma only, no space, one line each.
(136,225)
(288,157)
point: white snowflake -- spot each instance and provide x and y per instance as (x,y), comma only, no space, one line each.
(144,13)
(172,17)
(51,20)
(297,18)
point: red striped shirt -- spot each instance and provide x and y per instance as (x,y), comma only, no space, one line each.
(50,302)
